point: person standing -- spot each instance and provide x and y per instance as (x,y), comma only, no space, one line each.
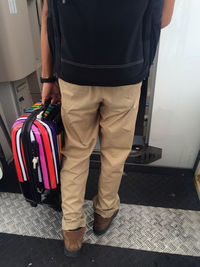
(100,51)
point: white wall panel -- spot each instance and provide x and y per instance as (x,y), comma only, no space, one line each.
(175,122)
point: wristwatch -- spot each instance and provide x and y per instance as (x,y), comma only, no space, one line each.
(48,80)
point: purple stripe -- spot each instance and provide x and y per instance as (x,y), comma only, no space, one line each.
(42,157)
(55,144)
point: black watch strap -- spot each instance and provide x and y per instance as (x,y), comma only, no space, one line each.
(48,80)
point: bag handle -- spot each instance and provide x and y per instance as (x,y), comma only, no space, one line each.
(43,109)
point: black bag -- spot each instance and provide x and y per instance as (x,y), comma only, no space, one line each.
(102,42)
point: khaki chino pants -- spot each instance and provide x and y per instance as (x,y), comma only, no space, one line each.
(89,111)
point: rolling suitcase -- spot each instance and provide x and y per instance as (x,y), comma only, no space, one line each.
(37,139)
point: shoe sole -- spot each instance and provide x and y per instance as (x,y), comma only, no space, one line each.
(100,232)
(72,254)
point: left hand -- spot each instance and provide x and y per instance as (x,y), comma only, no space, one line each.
(51,90)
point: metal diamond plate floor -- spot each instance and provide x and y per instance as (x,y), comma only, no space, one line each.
(138,227)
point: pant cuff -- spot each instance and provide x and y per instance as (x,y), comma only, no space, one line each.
(73,225)
(105,213)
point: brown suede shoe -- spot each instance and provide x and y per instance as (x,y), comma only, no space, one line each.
(101,224)
(73,241)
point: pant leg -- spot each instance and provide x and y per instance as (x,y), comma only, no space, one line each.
(118,114)
(80,117)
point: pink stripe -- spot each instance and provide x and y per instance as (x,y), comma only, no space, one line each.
(42,157)
(17,122)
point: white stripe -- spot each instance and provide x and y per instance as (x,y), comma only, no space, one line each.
(20,154)
(39,173)
(32,136)
(21,118)
(52,146)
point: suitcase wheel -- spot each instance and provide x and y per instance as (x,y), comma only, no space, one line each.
(33,204)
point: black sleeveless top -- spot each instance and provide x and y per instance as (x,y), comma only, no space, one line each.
(103,42)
